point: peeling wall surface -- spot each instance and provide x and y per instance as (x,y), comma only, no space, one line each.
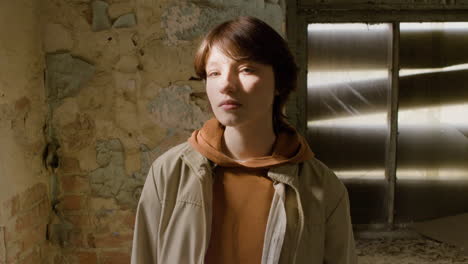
(119,93)
(22,107)
(91,92)
(24,203)
(24,198)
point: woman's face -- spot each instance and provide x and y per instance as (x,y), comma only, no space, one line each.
(240,92)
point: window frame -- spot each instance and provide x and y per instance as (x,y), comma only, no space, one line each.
(301,13)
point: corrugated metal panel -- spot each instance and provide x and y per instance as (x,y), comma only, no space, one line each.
(348,83)
(432,155)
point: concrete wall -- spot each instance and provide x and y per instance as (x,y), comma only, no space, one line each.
(119,93)
(24,201)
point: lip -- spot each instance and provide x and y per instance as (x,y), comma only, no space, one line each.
(229,104)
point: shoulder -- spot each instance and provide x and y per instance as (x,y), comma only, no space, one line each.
(174,154)
(173,173)
(182,154)
(316,171)
(320,178)
(168,164)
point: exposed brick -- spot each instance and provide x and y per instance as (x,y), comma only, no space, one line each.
(78,220)
(33,195)
(13,250)
(11,207)
(48,251)
(67,238)
(123,220)
(72,202)
(69,165)
(76,256)
(74,184)
(33,217)
(91,240)
(2,244)
(114,240)
(24,201)
(43,209)
(88,257)
(22,104)
(129,219)
(112,219)
(97,204)
(34,237)
(112,257)
(60,259)
(10,230)
(76,239)
(32,257)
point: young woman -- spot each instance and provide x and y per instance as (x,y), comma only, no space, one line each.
(245,188)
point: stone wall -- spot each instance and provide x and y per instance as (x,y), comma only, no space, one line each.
(24,200)
(120,91)
(91,92)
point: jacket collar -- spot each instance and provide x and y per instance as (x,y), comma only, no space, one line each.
(203,168)
(197,162)
(286,173)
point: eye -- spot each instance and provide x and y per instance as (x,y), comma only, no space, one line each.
(247,70)
(213,74)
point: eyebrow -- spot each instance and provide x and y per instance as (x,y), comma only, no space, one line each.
(211,64)
(244,61)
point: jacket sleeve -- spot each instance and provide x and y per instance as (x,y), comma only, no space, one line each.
(144,250)
(339,239)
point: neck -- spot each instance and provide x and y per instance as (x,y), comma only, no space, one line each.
(249,141)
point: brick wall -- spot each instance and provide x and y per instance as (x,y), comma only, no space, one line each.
(23,236)
(24,202)
(88,229)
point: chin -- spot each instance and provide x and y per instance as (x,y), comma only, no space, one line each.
(227,120)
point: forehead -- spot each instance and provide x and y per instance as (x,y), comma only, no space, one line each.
(217,56)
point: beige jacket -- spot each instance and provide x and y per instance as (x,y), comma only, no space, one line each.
(309,218)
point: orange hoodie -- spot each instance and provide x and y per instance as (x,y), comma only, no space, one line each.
(242,193)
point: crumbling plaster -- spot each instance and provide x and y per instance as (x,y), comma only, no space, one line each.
(22,107)
(120,92)
(24,206)
(140,93)
(110,125)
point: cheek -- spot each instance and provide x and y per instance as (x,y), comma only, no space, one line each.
(271,90)
(264,91)
(210,93)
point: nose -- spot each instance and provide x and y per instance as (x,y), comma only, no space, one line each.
(228,82)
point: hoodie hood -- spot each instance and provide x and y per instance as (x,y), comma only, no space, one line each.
(289,147)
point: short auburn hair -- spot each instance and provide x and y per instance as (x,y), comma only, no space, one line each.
(249,38)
